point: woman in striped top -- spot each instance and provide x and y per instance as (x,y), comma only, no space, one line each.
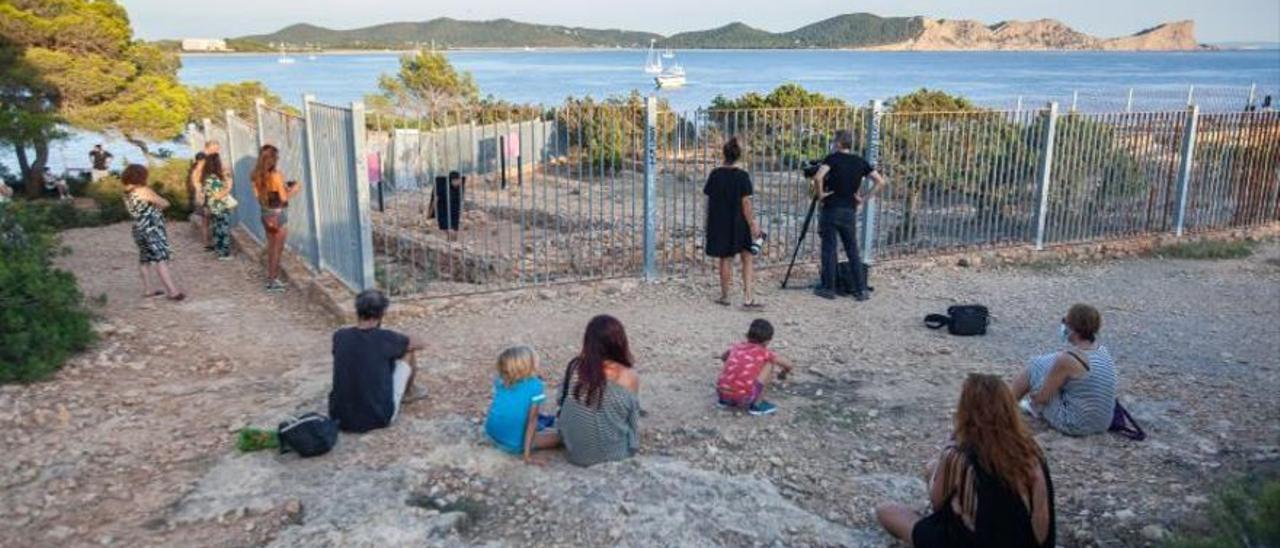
(599,406)
(1073,390)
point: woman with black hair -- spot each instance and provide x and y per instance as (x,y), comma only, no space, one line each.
(216,183)
(731,224)
(599,402)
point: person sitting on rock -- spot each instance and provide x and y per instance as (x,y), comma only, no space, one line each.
(513,422)
(599,405)
(990,487)
(1074,390)
(370,375)
(748,368)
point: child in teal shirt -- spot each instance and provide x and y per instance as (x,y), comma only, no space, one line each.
(514,423)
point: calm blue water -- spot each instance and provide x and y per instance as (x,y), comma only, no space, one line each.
(995,79)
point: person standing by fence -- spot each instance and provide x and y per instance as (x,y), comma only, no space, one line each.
(146,207)
(273,195)
(837,184)
(216,184)
(731,223)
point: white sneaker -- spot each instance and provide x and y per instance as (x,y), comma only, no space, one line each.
(276,286)
(1025,405)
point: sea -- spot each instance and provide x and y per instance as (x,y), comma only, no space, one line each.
(1094,80)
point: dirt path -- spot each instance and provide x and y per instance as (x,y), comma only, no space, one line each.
(98,453)
(130,443)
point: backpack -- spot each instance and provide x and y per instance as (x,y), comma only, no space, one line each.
(845,276)
(308,435)
(962,320)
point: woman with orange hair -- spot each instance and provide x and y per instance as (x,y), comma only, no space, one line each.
(991,485)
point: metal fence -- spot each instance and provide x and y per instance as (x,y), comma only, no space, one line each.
(1210,99)
(591,191)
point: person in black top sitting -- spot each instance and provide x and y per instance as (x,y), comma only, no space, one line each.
(837,184)
(370,380)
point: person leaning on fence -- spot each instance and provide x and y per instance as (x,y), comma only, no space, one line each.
(990,487)
(837,184)
(446,202)
(599,397)
(731,223)
(216,184)
(373,368)
(195,189)
(146,208)
(273,196)
(1074,390)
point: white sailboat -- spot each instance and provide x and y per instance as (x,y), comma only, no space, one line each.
(652,61)
(668,54)
(671,78)
(284,58)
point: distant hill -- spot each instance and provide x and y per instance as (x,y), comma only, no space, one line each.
(851,31)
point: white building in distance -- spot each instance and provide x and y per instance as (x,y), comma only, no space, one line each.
(203,44)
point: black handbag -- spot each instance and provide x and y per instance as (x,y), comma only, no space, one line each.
(308,435)
(963,320)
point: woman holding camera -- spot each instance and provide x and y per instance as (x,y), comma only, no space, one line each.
(273,195)
(731,225)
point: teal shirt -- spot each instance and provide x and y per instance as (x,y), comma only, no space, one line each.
(509,411)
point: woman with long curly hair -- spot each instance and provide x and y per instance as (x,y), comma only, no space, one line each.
(599,406)
(216,183)
(991,485)
(273,196)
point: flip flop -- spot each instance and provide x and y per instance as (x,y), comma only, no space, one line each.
(177,297)
(153,294)
(722,302)
(752,306)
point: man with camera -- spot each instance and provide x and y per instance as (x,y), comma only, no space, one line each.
(837,184)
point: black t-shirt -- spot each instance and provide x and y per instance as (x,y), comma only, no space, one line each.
(364,363)
(844,178)
(100,158)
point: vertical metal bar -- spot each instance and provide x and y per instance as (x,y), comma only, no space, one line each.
(650,196)
(313,184)
(1191,91)
(872,125)
(1046,168)
(361,180)
(1128,105)
(1184,172)
(258,103)
(1075,98)
(1019,107)
(1253,91)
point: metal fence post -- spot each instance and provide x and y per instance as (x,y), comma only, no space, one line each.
(1128,106)
(258,103)
(360,178)
(1253,94)
(650,188)
(872,153)
(1184,170)
(1075,99)
(1191,93)
(231,156)
(312,191)
(1043,173)
(205,124)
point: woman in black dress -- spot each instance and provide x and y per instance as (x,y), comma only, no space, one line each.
(731,226)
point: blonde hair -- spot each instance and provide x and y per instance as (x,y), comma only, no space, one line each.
(516,364)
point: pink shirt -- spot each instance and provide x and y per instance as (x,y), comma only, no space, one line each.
(741,369)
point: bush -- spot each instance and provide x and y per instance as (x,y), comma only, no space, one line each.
(42,314)
(1206,250)
(1246,513)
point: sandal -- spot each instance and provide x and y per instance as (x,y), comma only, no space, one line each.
(722,301)
(753,305)
(154,294)
(178,297)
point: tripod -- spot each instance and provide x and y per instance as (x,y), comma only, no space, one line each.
(804,230)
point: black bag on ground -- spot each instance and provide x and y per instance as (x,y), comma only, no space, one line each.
(963,320)
(845,276)
(308,435)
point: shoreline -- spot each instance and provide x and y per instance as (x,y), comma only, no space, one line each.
(873,49)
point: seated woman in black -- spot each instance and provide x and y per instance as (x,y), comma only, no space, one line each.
(990,487)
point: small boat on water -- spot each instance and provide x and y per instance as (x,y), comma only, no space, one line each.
(653,61)
(284,58)
(668,54)
(671,78)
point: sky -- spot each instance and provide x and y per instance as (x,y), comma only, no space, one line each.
(1216,20)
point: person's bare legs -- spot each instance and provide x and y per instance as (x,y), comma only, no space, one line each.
(144,269)
(162,269)
(1021,384)
(898,520)
(546,440)
(275,249)
(726,278)
(748,277)
(764,378)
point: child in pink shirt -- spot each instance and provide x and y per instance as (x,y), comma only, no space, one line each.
(747,367)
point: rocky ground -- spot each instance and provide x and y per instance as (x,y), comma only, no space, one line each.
(131,444)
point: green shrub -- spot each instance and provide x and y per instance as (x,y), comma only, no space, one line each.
(1246,513)
(42,315)
(168,179)
(1206,250)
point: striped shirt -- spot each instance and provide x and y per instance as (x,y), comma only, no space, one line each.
(1083,406)
(593,435)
